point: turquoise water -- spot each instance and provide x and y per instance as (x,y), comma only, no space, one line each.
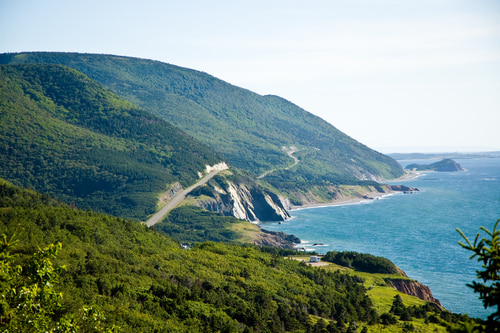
(415,231)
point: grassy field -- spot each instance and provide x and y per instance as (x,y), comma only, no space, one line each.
(247,232)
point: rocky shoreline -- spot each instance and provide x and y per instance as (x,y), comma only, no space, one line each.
(277,239)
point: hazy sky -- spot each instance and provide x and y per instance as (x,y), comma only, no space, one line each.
(397,75)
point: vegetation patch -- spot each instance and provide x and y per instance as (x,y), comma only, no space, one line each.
(362,262)
(190,224)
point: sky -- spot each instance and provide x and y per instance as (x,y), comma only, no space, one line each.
(396,75)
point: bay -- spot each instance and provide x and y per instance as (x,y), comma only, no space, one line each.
(415,231)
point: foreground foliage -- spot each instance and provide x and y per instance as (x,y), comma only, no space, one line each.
(30,302)
(487,251)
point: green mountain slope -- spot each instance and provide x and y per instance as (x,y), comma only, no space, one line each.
(135,279)
(254,132)
(64,134)
(443,165)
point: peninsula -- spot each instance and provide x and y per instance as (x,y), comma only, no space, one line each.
(446,165)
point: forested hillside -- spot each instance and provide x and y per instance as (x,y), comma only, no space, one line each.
(64,134)
(120,276)
(144,281)
(254,132)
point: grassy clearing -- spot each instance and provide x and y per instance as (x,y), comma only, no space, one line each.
(247,232)
(382,294)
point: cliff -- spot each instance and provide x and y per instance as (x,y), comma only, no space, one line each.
(276,239)
(243,201)
(414,288)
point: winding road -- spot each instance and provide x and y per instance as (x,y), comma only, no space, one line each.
(178,198)
(290,151)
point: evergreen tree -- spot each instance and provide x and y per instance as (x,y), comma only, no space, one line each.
(487,251)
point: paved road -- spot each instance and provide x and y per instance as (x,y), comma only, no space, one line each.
(290,153)
(178,198)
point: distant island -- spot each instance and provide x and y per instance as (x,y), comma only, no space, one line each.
(445,165)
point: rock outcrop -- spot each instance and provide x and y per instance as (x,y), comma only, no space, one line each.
(414,288)
(277,239)
(172,191)
(248,203)
(403,188)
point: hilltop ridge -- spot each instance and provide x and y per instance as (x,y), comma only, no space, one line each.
(249,129)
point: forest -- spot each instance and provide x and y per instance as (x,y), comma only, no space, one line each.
(89,272)
(64,134)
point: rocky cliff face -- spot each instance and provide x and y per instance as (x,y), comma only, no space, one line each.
(403,188)
(414,288)
(252,204)
(277,239)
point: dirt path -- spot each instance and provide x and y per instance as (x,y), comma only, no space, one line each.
(178,198)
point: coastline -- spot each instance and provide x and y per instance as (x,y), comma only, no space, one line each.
(350,201)
(408,176)
(446,275)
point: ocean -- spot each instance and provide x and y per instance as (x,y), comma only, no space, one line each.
(415,231)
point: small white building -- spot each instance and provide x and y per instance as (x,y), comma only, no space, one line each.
(315,259)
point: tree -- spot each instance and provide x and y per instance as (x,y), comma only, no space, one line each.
(487,251)
(399,309)
(29,301)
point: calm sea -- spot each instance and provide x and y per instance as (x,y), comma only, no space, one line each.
(415,231)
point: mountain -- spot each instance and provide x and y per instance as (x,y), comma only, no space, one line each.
(80,271)
(445,165)
(268,136)
(62,133)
